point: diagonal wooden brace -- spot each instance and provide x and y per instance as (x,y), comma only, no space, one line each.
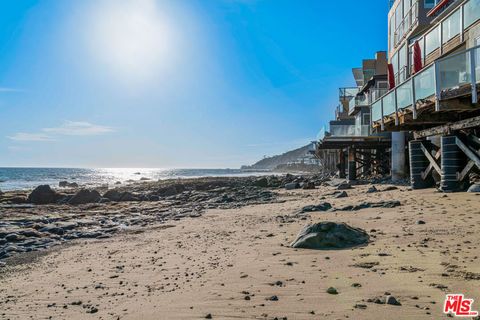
(473,155)
(433,163)
(430,165)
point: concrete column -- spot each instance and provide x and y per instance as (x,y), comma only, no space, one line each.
(398,156)
(352,164)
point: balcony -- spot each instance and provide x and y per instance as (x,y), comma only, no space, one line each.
(358,102)
(448,33)
(449,77)
(347,93)
(349,130)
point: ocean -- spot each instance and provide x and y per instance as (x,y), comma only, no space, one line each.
(29,178)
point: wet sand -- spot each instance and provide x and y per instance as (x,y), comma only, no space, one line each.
(237,264)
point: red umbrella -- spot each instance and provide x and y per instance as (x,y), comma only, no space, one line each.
(391,77)
(417,57)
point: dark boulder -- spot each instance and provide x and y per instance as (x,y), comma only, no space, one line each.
(344,186)
(43,195)
(117,196)
(113,195)
(324,206)
(330,235)
(261,182)
(170,190)
(85,196)
(292,186)
(127,196)
(309,185)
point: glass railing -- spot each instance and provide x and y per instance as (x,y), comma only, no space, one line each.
(376,111)
(389,103)
(377,93)
(342,130)
(424,83)
(454,72)
(448,28)
(446,78)
(349,130)
(404,95)
(347,92)
(358,102)
(362,130)
(321,134)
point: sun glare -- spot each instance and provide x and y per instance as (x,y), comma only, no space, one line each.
(133,37)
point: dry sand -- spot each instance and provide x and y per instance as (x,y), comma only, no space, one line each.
(211,264)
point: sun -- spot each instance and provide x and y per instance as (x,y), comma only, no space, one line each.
(133,38)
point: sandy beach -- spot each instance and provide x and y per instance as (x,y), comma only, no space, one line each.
(237,263)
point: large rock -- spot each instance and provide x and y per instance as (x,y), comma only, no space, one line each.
(330,235)
(474,188)
(66,184)
(43,195)
(85,196)
(309,185)
(292,186)
(170,190)
(324,206)
(261,182)
(117,196)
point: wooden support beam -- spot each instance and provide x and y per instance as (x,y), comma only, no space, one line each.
(468,152)
(448,128)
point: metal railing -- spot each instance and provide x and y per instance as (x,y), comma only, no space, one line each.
(359,101)
(449,77)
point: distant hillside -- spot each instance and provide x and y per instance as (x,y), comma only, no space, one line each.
(273,162)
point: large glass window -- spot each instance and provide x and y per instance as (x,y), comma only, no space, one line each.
(406,7)
(471,12)
(398,15)
(451,26)
(432,41)
(430,4)
(402,63)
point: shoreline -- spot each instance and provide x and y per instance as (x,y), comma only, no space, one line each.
(211,263)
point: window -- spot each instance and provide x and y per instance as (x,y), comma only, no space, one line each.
(451,27)
(471,11)
(406,7)
(366,118)
(398,15)
(430,3)
(402,63)
(432,41)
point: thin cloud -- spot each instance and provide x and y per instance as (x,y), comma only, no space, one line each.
(79,128)
(6,89)
(68,128)
(24,136)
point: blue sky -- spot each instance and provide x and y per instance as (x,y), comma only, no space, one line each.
(192,83)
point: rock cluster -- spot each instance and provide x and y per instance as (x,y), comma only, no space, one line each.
(53,218)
